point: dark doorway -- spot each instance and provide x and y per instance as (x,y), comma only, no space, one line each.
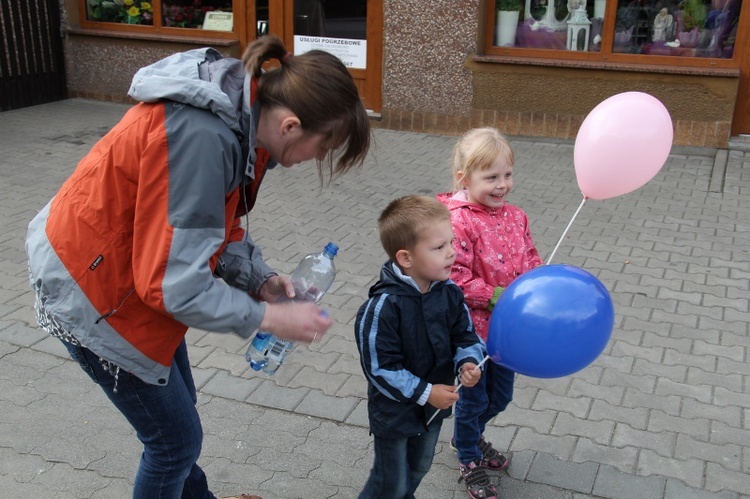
(32,67)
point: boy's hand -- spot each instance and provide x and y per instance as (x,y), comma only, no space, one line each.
(469,374)
(442,396)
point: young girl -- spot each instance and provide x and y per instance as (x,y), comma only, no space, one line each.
(494,246)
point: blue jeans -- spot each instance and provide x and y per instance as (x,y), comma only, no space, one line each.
(166,422)
(400,464)
(477,405)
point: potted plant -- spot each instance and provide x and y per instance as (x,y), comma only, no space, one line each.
(692,19)
(506,21)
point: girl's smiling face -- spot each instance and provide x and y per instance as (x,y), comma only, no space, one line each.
(489,187)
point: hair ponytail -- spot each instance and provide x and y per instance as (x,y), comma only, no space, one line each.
(261,50)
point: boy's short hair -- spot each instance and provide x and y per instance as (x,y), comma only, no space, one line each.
(404,218)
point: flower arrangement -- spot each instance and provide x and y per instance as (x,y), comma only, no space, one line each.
(693,13)
(186,14)
(507,5)
(120,11)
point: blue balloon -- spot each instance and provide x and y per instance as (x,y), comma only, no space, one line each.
(550,322)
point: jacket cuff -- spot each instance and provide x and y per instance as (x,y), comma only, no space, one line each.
(241,265)
(425,395)
(495,296)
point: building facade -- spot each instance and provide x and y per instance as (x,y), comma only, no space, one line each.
(448,65)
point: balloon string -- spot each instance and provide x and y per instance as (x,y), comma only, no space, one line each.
(459,386)
(549,259)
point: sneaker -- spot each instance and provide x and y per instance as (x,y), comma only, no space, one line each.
(478,483)
(491,457)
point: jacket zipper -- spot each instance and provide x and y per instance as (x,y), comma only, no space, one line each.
(114,310)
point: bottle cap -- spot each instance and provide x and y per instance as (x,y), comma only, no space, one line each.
(332,248)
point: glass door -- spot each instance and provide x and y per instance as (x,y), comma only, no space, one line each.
(349,29)
(352,30)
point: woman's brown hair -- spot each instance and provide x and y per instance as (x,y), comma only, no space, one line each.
(317,87)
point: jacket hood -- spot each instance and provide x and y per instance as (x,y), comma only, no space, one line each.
(201,78)
(460,200)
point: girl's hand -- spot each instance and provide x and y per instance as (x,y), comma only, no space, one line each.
(275,288)
(470,375)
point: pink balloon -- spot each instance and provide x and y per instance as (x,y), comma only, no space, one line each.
(622,144)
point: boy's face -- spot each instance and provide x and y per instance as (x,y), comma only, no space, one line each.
(432,257)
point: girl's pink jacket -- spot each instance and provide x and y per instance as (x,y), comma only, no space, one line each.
(493,247)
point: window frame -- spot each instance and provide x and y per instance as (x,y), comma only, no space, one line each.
(165,32)
(606,57)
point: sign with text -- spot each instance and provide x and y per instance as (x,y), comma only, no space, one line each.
(218,21)
(353,53)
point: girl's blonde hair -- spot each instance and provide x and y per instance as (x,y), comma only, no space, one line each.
(477,150)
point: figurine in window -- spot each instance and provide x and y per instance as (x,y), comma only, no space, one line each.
(663,24)
(575,5)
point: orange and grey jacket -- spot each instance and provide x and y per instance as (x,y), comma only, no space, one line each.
(144,240)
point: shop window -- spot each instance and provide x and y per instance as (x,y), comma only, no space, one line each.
(688,28)
(189,13)
(331,18)
(698,29)
(165,13)
(338,27)
(120,11)
(261,16)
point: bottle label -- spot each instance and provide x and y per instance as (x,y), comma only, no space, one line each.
(278,350)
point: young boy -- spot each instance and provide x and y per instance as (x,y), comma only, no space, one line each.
(414,335)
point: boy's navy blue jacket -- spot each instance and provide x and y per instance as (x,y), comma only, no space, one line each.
(406,341)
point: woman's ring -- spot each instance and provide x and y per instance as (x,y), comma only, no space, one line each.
(315,336)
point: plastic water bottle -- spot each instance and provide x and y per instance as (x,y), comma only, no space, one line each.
(312,278)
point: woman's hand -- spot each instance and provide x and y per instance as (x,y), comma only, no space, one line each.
(276,287)
(296,320)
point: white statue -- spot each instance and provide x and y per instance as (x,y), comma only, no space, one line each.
(663,23)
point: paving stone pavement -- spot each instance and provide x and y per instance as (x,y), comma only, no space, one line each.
(664,412)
